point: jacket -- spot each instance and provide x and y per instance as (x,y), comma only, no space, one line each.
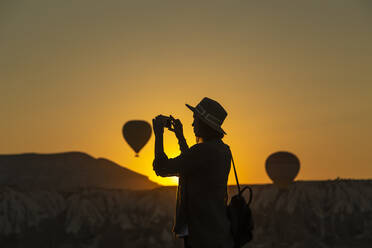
(202,192)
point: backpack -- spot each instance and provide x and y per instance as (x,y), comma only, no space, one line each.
(240,215)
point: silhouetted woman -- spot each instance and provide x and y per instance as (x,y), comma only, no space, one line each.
(203,171)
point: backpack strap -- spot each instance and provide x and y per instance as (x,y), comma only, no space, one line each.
(237,183)
(236,175)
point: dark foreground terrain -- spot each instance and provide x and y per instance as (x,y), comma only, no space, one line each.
(334,213)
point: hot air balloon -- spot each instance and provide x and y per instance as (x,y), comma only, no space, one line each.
(136,133)
(282,168)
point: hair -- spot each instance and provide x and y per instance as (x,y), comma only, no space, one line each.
(208,133)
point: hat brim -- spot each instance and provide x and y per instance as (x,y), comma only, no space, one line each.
(218,129)
(190,107)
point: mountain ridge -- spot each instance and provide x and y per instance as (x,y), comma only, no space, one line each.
(66,170)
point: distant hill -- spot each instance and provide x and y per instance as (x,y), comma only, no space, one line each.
(66,171)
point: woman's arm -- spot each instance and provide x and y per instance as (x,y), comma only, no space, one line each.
(161,159)
(158,127)
(178,130)
(183,144)
(193,160)
(160,156)
(159,147)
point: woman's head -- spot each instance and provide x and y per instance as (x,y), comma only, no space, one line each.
(202,130)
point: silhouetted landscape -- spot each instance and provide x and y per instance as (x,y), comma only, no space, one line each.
(288,82)
(96,213)
(68,170)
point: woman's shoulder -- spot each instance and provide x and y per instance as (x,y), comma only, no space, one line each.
(212,146)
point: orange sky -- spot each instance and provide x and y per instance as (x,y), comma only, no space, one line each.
(292,76)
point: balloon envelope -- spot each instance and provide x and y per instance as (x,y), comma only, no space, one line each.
(282,168)
(136,133)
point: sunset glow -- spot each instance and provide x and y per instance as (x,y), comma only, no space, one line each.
(292,78)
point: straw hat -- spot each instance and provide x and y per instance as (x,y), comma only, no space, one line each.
(211,113)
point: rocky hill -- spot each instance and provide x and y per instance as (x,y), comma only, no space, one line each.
(334,213)
(68,170)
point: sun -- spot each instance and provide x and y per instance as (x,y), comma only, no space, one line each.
(174,180)
(165,181)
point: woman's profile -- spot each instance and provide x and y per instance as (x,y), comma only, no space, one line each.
(203,170)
